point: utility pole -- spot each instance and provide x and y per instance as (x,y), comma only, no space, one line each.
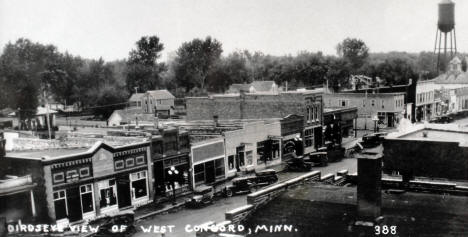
(47,115)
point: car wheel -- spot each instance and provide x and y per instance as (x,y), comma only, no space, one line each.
(229,193)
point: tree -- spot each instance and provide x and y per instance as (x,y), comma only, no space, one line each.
(195,60)
(396,71)
(338,73)
(22,66)
(463,64)
(143,70)
(353,51)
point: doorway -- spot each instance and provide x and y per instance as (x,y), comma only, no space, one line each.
(210,172)
(74,204)
(123,191)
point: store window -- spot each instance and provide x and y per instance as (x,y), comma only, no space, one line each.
(138,183)
(261,156)
(309,137)
(199,171)
(240,156)
(107,193)
(231,165)
(249,156)
(59,177)
(219,167)
(60,204)
(86,192)
(275,149)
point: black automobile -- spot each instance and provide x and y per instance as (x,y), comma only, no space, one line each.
(298,164)
(202,196)
(265,177)
(317,158)
(106,223)
(240,185)
(442,119)
(373,140)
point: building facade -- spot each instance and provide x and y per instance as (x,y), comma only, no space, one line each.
(158,102)
(83,185)
(208,162)
(386,107)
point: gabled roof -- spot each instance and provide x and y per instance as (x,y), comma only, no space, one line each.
(136,97)
(160,94)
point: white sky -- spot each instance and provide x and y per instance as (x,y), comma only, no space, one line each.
(110,28)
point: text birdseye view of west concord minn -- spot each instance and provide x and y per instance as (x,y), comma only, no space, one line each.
(221,118)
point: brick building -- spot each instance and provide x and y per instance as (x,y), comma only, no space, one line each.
(71,185)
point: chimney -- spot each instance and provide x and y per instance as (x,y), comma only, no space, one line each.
(369,197)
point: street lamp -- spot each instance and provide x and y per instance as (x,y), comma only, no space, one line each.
(375,119)
(173,172)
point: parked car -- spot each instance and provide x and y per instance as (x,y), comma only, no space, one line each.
(265,177)
(442,119)
(106,223)
(319,158)
(373,140)
(298,164)
(202,195)
(240,185)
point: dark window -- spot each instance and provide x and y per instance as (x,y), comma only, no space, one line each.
(84,172)
(260,152)
(59,177)
(139,188)
(231,162)
(199,171)
(129,162)
(140,160)
(309,137)
(119,164)
(60,205)
(87,198)
(219,167)
(107,195)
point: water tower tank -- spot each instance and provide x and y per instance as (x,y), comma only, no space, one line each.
(446,16)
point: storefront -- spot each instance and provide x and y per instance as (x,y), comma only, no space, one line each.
(208,162)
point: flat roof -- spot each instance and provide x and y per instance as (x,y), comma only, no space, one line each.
(51,153)
(437,135)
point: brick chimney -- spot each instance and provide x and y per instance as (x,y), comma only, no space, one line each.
(369,197)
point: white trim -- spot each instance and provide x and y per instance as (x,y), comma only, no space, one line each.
(208,143)
(210,159)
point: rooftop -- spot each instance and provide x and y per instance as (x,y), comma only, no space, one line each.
(432,132)
(161,94)
(323,210)
(50,153)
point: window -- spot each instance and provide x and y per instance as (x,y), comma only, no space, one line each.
(119,164)
(231,162)
(138,183)
(249,155)
(219,167)
(84,172)
(309,137)
(372,103)
(316,113)
(275,149)
(86,192)
(107,193)
(129,162)
(59,177)
(140,160)
(343,103)
(60,204)
(72,175)
(199,171)
(261,152)
(309,114)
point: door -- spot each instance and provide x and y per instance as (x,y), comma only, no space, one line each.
(158,171)
(123,191)
(210,172)
(74,204)
(390,118)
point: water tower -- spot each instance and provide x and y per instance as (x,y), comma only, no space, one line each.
(445,42)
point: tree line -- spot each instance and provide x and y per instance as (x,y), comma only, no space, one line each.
(33,74)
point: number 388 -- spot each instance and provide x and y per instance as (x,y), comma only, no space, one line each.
(385,230)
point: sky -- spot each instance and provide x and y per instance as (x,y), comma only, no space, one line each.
(110,28)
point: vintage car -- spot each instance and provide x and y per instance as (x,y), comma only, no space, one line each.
(240,185)
(106,223)
(317,158)
(373,140)
(442,119)
(298,164)
(265,177)
(202,196)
